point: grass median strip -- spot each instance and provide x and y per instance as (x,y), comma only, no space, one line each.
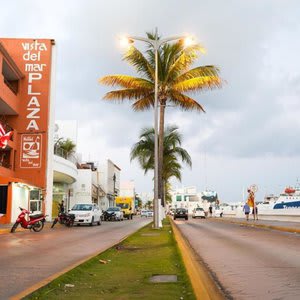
(124,271)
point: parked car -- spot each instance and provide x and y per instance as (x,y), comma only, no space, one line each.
(198,212)
(150,213)
(86,213)
(181,213)
(115,213)
(144,213)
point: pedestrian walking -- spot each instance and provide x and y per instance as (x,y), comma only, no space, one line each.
(251,203)
(210,211)
(246,209)
(255,213)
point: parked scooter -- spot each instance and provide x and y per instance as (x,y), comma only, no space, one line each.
(64,218)
(35,222)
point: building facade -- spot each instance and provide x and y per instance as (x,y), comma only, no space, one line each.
(109,179)
(65,171)
(26,110)
(186,197)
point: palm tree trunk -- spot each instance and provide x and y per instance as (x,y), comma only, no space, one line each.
(161,151)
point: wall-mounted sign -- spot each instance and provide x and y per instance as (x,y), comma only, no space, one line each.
(31,146)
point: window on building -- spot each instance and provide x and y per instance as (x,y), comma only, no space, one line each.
(178,198)
(35,202)
(5,157)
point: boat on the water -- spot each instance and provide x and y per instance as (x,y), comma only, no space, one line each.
(285,207)
(289,199)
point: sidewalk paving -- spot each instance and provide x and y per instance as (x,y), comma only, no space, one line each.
(5,228)
(270,224)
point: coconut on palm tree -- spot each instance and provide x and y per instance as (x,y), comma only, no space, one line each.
(143,151)
(176,78)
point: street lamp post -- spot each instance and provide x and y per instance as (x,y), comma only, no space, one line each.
(114,191)
(156,44)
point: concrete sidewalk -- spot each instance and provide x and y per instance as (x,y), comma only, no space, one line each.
(5,228)
(269,224)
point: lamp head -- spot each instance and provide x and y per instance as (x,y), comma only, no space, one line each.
(126,42)
(188,41)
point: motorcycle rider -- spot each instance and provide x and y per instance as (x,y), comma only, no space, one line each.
(61,207)
(63,217)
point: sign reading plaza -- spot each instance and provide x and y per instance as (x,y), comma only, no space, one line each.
(35,67)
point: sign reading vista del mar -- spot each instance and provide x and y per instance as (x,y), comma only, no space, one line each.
(34,66)
(33,57)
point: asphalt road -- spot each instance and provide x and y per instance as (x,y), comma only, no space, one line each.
(29,257)
(247,262)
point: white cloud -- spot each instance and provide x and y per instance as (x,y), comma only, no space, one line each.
(250,131)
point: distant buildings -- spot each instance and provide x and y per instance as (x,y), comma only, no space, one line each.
(189,198)
(77,181)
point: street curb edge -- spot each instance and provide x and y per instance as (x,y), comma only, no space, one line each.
(204,286)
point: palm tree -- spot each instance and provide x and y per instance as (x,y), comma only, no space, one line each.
(67,146)
(143,151)
(175,79)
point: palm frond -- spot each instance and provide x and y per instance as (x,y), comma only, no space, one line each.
(185,102)
(126,81)
(184,59)
(197,84)
(134,57)
(201,71)
(144,103)
(121,95)
(184,155)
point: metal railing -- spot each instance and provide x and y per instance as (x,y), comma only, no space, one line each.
(62,153)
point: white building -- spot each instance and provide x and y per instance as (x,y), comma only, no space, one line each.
(186,197)
(74,181)
(109,180)
(65,172)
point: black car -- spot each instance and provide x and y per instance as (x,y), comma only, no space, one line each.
(181,213)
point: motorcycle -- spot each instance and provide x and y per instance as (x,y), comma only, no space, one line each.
(64,218)
(29,221)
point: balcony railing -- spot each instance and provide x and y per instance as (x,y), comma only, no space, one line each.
(62,153)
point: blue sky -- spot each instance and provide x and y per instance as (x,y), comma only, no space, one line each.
(250,132)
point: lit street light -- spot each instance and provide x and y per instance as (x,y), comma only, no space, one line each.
(156,44)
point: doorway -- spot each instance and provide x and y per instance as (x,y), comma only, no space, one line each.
(35,204)
(3,199)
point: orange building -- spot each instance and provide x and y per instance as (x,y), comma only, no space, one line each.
(26,109)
